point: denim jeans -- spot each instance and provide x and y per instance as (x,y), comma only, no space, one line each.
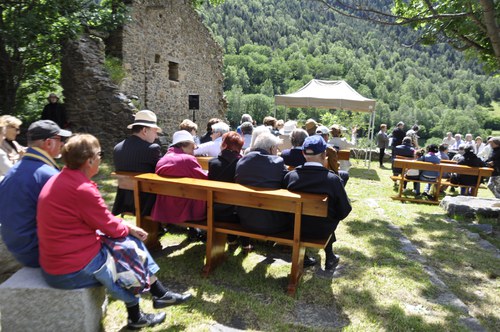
(97,273)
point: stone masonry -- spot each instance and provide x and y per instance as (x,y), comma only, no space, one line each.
(169,54)
(94,103)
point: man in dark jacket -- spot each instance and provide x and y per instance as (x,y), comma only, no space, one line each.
(403,150)
(55,111)
(137,153)
(261,167)
(397,136)
(313,177)
(469,158)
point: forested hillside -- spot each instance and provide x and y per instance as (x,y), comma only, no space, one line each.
(274,47)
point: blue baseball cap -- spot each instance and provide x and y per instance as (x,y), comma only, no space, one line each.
(314,145)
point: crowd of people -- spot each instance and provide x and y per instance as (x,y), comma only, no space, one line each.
(467,151)
(64,227)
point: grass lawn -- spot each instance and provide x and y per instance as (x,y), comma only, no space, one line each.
(403,268)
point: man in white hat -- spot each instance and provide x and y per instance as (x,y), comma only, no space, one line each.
(20,188)
(137,153)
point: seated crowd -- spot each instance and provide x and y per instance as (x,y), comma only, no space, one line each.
(65,227)
(466,152)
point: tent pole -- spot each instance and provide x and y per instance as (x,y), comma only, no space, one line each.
(368,156)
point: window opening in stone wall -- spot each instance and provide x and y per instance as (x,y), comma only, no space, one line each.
(157,58)
(173,71)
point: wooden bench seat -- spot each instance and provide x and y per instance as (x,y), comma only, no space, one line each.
(406,164)
(212,192)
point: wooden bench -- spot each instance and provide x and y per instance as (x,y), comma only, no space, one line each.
(212,192)
(406,164)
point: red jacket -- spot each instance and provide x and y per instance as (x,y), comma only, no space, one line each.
(70,210)
(176,163)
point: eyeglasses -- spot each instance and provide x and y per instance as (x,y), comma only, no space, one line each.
(100,154)
(58,138)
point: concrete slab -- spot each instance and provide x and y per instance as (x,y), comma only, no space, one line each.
(28,303)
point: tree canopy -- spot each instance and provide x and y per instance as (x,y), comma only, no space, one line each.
(32,33)
(467,25)
(275,47)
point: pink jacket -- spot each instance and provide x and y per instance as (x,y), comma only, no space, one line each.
(168,209)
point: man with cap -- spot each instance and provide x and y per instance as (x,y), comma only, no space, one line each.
(55,111)
(20,188)
(311,126)
(137,153)
(313,177)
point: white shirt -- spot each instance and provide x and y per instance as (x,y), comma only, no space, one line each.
(210,149)
(5,164)
(342,144)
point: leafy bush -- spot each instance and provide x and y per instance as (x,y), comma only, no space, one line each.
(115,69)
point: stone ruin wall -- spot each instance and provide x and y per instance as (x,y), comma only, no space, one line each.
(94,103)
(159,34)
(167,35)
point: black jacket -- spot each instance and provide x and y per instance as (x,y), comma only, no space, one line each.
(319,180)
(134,155)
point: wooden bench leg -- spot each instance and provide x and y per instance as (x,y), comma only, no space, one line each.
(152,242)
(297,269)
(216,247)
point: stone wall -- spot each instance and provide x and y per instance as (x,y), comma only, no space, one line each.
(94,103)
(169,54)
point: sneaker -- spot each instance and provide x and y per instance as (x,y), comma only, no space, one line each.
(170,298)
(331,264)
(309,261)
(146,320)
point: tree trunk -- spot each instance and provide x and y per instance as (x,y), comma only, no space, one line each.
(8,82)
(492,27)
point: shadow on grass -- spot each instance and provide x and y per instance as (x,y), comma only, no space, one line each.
(364,173)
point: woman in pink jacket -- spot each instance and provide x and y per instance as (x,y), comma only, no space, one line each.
(179,161)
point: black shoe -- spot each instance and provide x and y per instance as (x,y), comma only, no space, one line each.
(309,261)
(331,263)
(146,320)
(170,298)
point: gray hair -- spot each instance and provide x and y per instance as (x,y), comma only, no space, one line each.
(256,132)
(298,136)
(220,127)
(246,118)
(246,128)
(266,141)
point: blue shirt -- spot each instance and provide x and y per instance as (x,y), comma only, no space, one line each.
(19,192)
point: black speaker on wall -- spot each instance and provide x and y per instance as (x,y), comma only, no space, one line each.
(194,102)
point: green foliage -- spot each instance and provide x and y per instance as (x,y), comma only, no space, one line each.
(115,69)
(32,35)
(283,45)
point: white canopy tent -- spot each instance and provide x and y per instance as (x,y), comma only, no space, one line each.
(331,94)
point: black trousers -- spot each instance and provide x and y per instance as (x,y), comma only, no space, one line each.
(381,156)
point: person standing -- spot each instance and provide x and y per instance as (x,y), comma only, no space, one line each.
(412,133)
(494,161)
(55,111)
(20,188)
(137,153)
(397,136)
(382,143)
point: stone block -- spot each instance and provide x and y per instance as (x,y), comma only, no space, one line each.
(470,207)
(28,303)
